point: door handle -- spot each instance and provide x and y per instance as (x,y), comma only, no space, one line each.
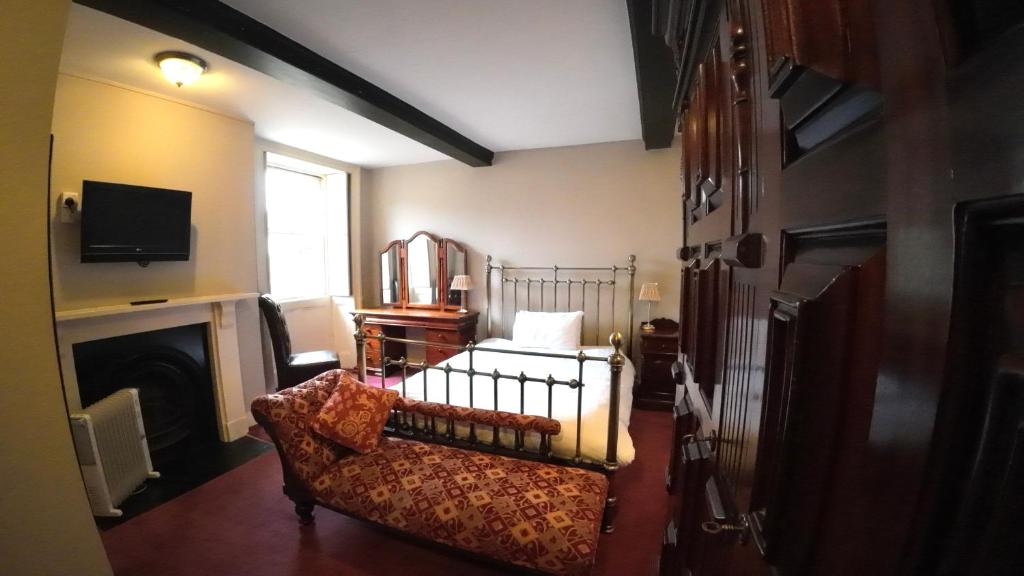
(717,527)
(741,528)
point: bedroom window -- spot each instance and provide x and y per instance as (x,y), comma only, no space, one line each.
(307,229)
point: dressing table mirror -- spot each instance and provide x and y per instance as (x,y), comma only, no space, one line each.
(455,265)
(418,272)
(415,277)
(390,274)
(423,269)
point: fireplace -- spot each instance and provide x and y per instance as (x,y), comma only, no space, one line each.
(215,314)
(172,371)
(183,356)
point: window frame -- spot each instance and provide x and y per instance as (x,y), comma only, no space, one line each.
(334,287)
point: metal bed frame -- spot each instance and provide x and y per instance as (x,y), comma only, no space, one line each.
(521,279)
(541,286)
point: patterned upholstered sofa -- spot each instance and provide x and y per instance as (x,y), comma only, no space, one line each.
(538,516)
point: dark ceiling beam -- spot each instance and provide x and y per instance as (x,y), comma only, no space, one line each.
(222,30)
(655,77)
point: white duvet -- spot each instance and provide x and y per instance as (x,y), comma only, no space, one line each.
(596,393)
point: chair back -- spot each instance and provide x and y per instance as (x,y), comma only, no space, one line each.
(279,338)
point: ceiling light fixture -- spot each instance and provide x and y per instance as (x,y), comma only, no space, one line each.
(181,67)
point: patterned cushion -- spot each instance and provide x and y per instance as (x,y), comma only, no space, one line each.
(540,516)
(288,414)
(355,414)
(510,420)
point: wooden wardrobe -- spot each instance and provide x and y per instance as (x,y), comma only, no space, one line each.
(851,352)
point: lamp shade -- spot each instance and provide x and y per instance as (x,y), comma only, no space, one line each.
(181,68)
(649,293)
(462,282)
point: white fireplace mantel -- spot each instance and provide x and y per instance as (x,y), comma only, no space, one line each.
(218,312)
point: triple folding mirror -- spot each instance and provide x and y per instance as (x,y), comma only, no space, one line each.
(417,272)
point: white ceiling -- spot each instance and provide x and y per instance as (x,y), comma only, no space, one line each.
(509,75)
(100,46)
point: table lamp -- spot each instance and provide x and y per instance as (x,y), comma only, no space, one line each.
(649,293)
(462,282)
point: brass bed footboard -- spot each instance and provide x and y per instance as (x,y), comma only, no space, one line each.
(440,425)
(605,295)
(616,361)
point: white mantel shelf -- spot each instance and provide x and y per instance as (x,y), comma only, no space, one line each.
(81,313)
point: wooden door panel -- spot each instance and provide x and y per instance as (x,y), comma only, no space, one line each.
(715,105)
(684,530)
(986,538)
(702,283)
(744,335)
(723,290)
(823,68)
(707,310)
(708,139)
(857,445)
(696,122)
(741,343)
(688,317)
(821,366)
(953,125)
(969,26)
(977,456)
(795,442)
(833,37)
(683,425)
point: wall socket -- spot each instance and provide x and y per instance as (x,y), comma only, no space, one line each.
(70,205)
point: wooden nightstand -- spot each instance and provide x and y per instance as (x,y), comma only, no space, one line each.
(658,350)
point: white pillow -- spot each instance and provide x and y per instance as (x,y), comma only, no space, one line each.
(548,329)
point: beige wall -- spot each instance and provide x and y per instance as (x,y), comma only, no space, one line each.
(580,205)
(45,524)
(113,134)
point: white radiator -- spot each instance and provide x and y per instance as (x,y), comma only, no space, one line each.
(111,444)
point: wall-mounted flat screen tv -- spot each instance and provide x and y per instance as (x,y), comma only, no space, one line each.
(122,223)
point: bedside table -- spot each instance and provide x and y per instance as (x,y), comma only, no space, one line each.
(658,350)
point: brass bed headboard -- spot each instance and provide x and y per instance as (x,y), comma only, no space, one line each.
(601,293)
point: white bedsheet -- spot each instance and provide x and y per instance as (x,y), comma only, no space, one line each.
(596,393)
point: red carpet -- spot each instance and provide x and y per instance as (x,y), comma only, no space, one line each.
(395,379)
(240,523)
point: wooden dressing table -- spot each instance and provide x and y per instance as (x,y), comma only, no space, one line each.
(440,326)
(415,276)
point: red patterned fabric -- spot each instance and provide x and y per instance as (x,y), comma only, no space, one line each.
(355,414)
(535,515)
(420,407)
(289,413)
(510,420)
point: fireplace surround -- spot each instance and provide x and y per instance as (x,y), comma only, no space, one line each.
(216,314)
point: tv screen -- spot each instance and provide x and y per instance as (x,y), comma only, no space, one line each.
(122,223)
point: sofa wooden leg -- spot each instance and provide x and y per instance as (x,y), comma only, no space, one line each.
(302,500)
(305,512)
(611,506)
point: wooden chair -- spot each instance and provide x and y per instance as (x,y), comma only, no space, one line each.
(292,369)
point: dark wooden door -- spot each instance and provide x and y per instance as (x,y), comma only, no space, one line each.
(853,291)
(947,442)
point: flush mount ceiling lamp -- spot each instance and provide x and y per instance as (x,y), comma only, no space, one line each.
(181,68)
